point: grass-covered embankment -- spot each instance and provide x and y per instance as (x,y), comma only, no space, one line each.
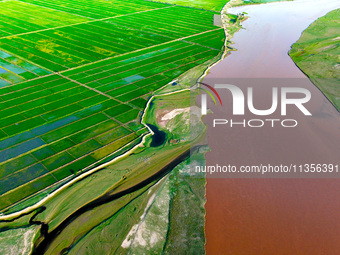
(55,127)
(317,52)
(88,215)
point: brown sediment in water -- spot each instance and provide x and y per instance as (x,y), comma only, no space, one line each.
(273,216)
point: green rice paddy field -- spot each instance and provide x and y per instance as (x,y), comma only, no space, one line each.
(75,77)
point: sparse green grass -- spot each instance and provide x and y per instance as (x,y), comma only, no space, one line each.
(17,241)
(187,200)
(149,210)
(317,53)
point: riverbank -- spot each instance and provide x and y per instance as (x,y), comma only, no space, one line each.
(316,55)
(264,216)
(126,173)
(63,208)
(123,179)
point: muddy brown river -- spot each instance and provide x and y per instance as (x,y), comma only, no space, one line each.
(272,214)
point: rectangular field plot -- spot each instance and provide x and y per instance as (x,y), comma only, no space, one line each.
(138,74)
(215,5)
(75,77)
(14,70)
(100,8)
(68,47)
(51,128)
(19,17)
(214,39)
(175,22)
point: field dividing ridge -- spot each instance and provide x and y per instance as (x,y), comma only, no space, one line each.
(72,93)
(79,23)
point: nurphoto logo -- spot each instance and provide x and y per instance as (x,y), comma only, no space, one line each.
(279,100)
